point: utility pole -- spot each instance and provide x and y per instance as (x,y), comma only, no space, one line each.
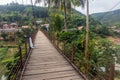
(87,56)
(21,60)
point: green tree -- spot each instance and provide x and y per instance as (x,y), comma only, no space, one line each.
(64,5)
(56,25)
(4,35)
(56,22)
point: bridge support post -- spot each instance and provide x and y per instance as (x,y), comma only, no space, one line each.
(21,62)
(26,48)
(64,47)
(73,52)
(112,70)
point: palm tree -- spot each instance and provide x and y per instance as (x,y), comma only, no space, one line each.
(65,16)
(63,4)
(22,2)
(87,39)
(46,2)
(66,4)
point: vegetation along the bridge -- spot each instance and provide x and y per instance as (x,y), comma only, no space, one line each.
(90,42)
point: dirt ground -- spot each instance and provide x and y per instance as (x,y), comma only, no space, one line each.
(115,40)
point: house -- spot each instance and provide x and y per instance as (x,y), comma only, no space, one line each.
(5,26)
(80,27)
(46,26)
(9,28)
(14,25)
(25,26)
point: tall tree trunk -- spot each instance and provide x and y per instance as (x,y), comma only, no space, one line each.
(15,1)
(87,39)
(65,19)
(22,2)
(33,12)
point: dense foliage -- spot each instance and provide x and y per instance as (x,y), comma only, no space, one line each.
(22,14)
(102,52)
(22,37)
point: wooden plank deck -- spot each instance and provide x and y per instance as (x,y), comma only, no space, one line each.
(46,63)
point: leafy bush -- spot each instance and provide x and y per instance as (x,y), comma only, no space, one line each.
(11,38)
(69,36)
(4,35)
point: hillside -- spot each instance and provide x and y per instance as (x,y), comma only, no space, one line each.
(22,14)
(108,18)
(38,12)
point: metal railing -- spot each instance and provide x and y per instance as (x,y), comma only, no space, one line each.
(17,69)
(69,53)
(63,52)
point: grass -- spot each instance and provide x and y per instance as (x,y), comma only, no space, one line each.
(7,43)
(115,40)
(118,46)
(5,56)
(117,79)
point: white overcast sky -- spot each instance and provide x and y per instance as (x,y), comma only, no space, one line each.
(95,5)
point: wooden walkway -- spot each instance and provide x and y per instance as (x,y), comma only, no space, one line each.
(46,63)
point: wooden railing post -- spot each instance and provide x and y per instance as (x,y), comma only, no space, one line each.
(26,48)
(50,38)
(112,71)
(21,62)
(64,47)
(57,43)
(72,52)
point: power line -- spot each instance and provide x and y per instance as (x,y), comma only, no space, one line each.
(114,6)
(110,10)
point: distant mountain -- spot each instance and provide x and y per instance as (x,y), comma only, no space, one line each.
(108,18)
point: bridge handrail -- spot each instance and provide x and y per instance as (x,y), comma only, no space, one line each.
(17,70)
(70,58)
(62,53)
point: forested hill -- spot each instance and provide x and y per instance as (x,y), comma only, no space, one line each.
(108,18)
(39,12)
(23,15)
